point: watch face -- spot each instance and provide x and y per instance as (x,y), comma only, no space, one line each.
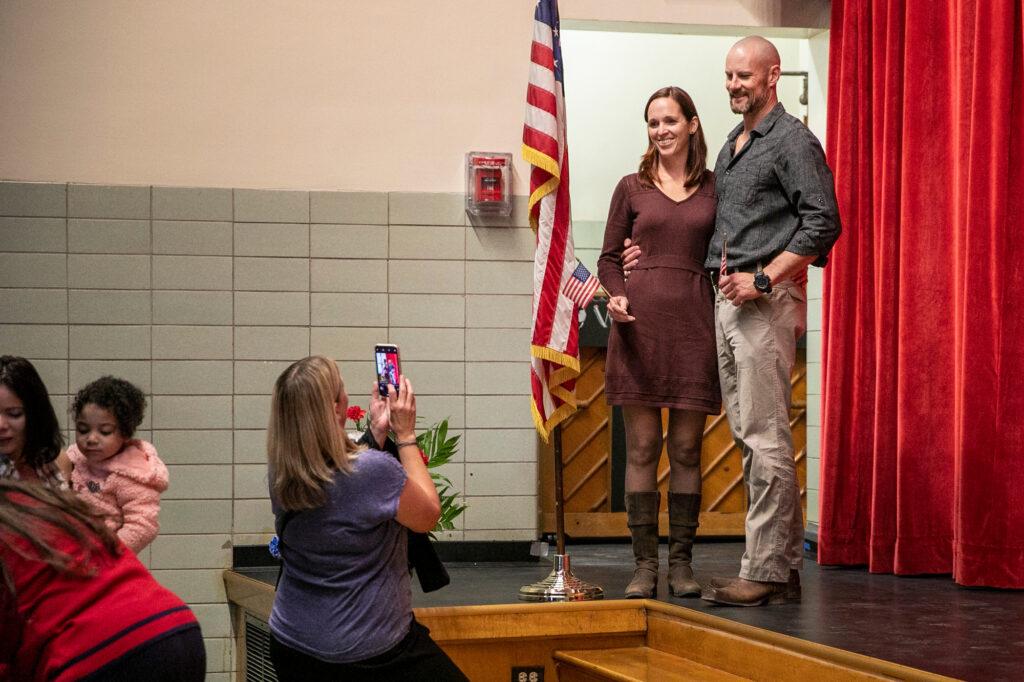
(761,282)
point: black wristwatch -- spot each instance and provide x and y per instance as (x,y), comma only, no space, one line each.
(762,282)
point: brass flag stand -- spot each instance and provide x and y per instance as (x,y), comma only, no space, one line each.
(561,584)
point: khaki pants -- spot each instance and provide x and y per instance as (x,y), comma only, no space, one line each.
(756,353)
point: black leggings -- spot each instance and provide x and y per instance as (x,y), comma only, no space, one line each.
(180,657)
(416,658)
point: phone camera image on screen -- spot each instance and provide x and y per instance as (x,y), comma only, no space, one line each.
(388,368)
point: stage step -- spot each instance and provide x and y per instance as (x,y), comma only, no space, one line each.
(632,664)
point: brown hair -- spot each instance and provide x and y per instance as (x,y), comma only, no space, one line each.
(305,443)
(29,511)
(696,153)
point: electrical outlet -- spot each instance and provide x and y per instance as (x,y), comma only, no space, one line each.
(528,674)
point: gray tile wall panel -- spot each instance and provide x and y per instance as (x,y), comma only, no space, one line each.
(92,235)
(271,206)
(33,234)
(192,203)
(33,199)
(370,208)
(190,237)
(108,201)
(421,208)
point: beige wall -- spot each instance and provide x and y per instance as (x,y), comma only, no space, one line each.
(732,13)
(383,96)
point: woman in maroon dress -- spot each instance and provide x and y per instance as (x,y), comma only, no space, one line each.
(661,351)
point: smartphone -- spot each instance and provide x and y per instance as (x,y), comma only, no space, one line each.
(389,370)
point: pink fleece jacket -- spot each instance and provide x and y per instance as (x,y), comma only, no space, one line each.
(125,489)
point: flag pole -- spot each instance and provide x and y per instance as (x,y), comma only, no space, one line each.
(559,492)
(561,584)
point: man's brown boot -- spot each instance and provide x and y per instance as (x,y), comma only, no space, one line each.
(743,592)
(683,519)
(792,585)
(642,519)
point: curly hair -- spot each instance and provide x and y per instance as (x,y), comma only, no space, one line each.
(43,439)
(124,400)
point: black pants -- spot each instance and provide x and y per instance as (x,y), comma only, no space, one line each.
(180,657)
(416,658)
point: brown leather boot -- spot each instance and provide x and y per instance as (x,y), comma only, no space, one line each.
(642,519)
(683,519)
(743,592)
(792,585)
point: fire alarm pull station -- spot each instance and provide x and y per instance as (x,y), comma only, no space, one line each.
(488,184)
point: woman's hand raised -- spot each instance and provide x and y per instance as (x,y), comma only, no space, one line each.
(419,507)
(402,408)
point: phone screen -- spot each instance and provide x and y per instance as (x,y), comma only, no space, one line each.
(388,368)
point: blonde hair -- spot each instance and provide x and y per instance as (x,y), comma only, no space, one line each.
(305,443)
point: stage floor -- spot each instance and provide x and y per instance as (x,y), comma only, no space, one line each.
(928,623)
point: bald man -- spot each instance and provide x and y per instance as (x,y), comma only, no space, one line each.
(776,215)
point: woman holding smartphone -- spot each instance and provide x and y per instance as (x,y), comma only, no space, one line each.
(661,349)
(343,605)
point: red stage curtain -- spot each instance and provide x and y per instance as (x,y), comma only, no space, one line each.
(923,358)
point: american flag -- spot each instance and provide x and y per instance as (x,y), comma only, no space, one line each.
(581,285)
(554,346)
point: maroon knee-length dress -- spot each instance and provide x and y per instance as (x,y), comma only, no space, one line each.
(667,356)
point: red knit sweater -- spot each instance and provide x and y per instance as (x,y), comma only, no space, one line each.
(62,626)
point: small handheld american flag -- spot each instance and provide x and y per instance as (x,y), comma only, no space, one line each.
(581,286)
(723,270)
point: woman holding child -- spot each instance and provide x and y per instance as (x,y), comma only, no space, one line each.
(343,605)
(30,438)
(120,477)
(661,349)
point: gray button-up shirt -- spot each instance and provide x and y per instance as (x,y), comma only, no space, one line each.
(777,194)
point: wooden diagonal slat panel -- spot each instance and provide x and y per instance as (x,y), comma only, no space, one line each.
(715,422)
(587,439)
(728,489)
(719,458)
(602,461)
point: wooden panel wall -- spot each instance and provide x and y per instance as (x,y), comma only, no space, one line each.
(587,447)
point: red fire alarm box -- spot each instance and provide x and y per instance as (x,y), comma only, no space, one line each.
(488,183)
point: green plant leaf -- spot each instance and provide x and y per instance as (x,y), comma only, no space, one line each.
(440,449)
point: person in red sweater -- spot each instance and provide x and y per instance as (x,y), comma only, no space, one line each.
(75,604)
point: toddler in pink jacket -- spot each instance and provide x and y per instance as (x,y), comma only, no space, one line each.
(119,476)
